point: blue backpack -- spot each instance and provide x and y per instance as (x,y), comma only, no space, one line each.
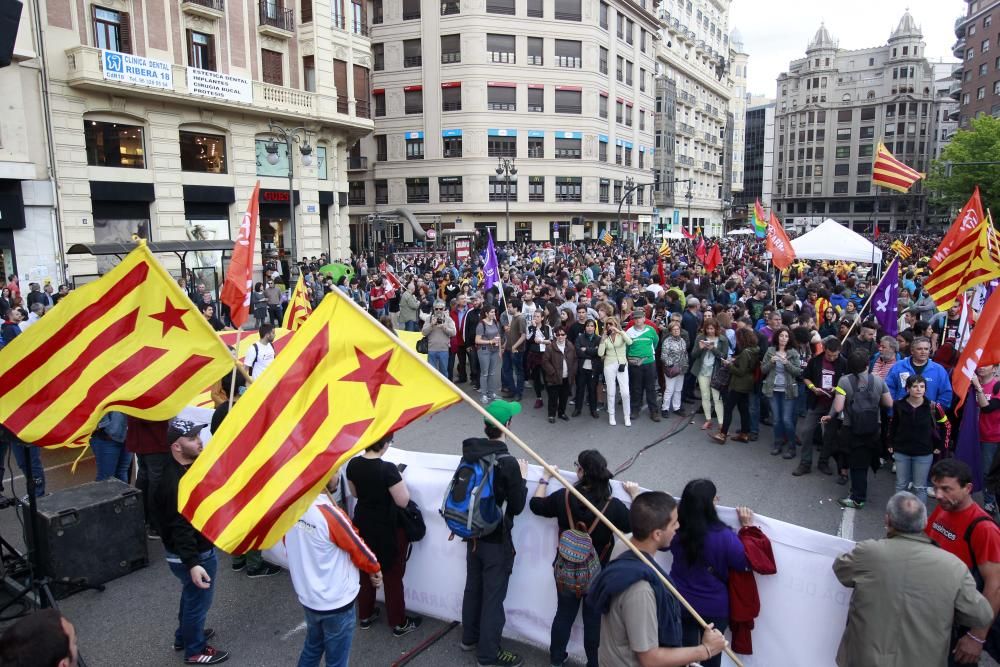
(469,507)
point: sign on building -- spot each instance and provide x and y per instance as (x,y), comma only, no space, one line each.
(136,70)
(221,86)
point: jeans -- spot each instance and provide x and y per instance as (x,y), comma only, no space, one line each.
(195,602)
(989,450)
(642,382)
(783,412)
(806,431)
(328,632)
(512,372)
(617,381)
(913,469)
(755,406)
(111,458)
(274,312)
(709,397)
(489,371)
(487,572)
(691,634)
(567,606)
(411,325)
(29,460)
(672,391)
(439,361)
(148,475)
(736,400)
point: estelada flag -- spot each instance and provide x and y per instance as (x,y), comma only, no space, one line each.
(890,173)
(239,278)
(981,350)
(299,307)
(342,383)
(782,252)
(965,222)
(664,249)
(975,260)
(131,341)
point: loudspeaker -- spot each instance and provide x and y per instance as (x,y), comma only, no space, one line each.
(10,17)
(91,533)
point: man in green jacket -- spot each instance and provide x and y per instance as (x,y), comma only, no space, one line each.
(642,365)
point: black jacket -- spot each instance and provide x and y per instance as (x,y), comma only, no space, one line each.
(814,374)
(472,318)
(586,348)
(509,485)
(179,536)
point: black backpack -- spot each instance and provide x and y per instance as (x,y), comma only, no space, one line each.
(863,409)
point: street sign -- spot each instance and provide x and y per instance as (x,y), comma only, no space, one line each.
(431,234)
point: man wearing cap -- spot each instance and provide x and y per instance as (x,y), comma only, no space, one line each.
(489,560)
(642,365)
(189,554)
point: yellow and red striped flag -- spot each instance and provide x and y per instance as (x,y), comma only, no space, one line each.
(904,251)
(299,307)
(341,384)
(974,260)
(891,173)
(664,249)
(131,341)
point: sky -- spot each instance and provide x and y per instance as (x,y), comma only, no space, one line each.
(775,37)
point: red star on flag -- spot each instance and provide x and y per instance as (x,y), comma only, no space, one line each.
(171,317)
(373,371)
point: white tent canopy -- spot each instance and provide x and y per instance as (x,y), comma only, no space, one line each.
(832,240)
(740,232)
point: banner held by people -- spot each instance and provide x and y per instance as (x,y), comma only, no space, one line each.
(299,307)
(130,341)
(343,383)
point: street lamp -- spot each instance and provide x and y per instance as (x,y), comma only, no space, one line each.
(506,168)
(629,186)
(689,197)
(289,136)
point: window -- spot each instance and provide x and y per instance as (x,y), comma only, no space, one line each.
(568,149)
(628,115)
(642,39)
(377,13)
(642,120)
(863,186)
(620,68)
(500,7)
(449,7)
(618,191)
(500,47)
(843,134)
(843,152)
(411,53)
(628,156)
(381,148)
(205,153)
(840,169)
(452,146)
(981,93)
(604,15)
(114,145)
(201,50)
(381,191)
(985,46)
(307,11)
(112,30)
(602,151)
(413,101)
(501,190)
(568,101)
(309,73)
(603,195)
(845,115)
(996,87)
(356,193)
(501,146)
(450,189)
(536,147)
(867,132)
(629,29)
(451,49)
(603,62)
(378,55)
(864,168)
(619,153)
(840,187)
(451,98)
(983,69)
(619,112)
(417,191)
(868,113)
(568,10)
(379,101)
(535,46)
(642,165)
(628,73)
(536,188)
(411,10)
(602,106)
(568,53)
(821,116)
(415,148)
(272,65)
(569,188)
(501,98)
(536,99)
(621,26)
(642,80)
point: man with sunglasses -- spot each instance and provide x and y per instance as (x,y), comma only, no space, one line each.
(439,330)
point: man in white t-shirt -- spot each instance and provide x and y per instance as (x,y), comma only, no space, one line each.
(261,354)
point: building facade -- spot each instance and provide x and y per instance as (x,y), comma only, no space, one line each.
(758,159)
(562,91)
(978,86)
(834,106)
(948,108)
(738,109)
(693,92)
(162,112)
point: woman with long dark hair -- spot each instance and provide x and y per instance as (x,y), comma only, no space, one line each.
(705,550)
(594,482)
(741,383)
(258,304)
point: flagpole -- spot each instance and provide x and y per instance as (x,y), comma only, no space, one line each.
(232,378)
(552,470)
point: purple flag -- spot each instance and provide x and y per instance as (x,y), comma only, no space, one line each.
(491,270)
(967,448)
(885,302)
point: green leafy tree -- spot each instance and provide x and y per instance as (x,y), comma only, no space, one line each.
(980,143)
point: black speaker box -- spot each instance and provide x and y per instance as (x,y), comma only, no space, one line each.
(10,16)
(91,533)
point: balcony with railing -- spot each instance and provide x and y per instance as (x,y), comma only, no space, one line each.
(356,199)
(959,49)
(684,128)
(451,106)
(448,57)
(210,9)
(359,28)
(960,26)
(362,109)
(569,196)
(357,163)
(686,160)
(413,61)
(450,8)
(343,106)
(418,198)
(507,57)
(275,19)
(572,62)
(711,138)
(569,108)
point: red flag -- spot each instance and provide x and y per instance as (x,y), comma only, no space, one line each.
(782,252)
(700,251)
(687,234)
(965,223)
(714,259)
(978,351)
(239,278)
(628,270)
(661,270)
(876,231)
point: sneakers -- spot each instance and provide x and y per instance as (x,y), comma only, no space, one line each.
(238,565)
(848,503)
(411,624)
(264,571)
(366,623)
(208,656)
(467,647)
(504,659)
(152,533)
(484,399)
(207,632)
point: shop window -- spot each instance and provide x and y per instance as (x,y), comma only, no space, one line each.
(203,152)
(114,145)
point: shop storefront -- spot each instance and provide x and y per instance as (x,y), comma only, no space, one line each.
(11,218)
(276,231)
(207,212)
(121,211)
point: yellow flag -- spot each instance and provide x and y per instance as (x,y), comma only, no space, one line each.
(299,307)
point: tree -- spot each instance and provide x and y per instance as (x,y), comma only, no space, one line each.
(980,143)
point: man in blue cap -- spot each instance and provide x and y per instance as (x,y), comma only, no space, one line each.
(489,559)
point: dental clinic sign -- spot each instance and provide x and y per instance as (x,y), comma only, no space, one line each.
(135,70)
(220,86)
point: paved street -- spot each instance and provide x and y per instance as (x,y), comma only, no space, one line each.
(131,623)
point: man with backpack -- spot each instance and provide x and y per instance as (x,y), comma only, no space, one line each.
(857,398)
(486,493)
(961,527)
(261,354)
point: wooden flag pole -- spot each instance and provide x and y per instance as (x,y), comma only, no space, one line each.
(552,470)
